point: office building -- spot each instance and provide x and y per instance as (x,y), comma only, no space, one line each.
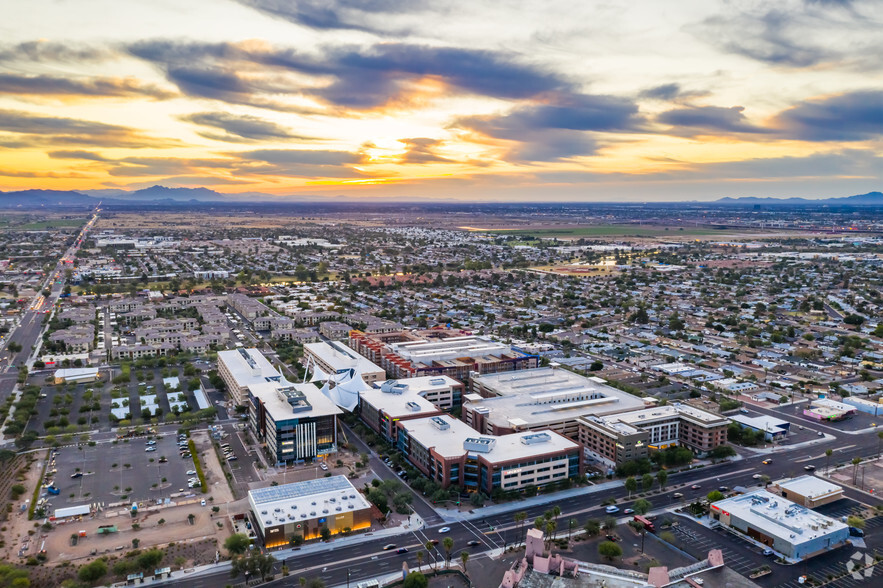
(540,399)
(332,357)
(240,368)
(453,454)
(305,508)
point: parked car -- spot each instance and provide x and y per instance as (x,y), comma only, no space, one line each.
(190,473)
(856,532)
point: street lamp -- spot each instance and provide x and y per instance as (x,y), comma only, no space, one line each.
(347,578)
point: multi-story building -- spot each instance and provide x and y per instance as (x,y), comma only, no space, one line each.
(540,399)
(408,354)
(628,436)
(381,408)
(453,454)
(335,330)
(334,358)
(305,508)
(240,368)
(443,391)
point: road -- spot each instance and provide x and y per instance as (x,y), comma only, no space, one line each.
(31,324)
(368,560)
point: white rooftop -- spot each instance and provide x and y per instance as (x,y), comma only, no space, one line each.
(447,436)
(340,357)
(408,403)
(669,411)
(70,373)
(448,349)
(809,486)
(301,501)
(779,517)
(423,384)
(248,366)
(309,402)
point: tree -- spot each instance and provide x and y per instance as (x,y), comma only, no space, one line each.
(828,453)
(464,557)
(519,518)
(592,527)
(722,451)
(855,462)
(642,506)
(325,533)
(610,550)
(646,482)
(430,548)
(150,559)
(448,544)
(714,496)
(92,572)
(237,544)
(419,556)
(662,476)
(857,522)
(415,580)
(609,523)
(631,485)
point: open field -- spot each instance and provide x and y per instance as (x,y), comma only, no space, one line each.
(63,223)
(609,231)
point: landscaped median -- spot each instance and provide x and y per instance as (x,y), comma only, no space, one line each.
(198,465)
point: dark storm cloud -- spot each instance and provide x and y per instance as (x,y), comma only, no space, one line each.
(357,78)
(45,51)
(45,85)
(38,130)
(241,128)
(335,14)
(855,116)
(703,120)
(556,130)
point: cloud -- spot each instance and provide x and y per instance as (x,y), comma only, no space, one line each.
(708,120)
(799,33)
(242,128)
(672,92)
(47,51)
(10,173)
(64,87)
(298,163)
(556,129)
(854,116)
(352,77)
(337,14)
(38,130)
(166,166)
(421,150)
(88,155)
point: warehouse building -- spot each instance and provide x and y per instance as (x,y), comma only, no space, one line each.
(453,454)
(790,529)
(305,508)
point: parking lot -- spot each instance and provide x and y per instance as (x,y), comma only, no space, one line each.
(121,471)
(739,555)
(858,422)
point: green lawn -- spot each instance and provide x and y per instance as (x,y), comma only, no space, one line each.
(62,223)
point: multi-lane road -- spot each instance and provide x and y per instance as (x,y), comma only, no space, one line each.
(367,560)
(30,324)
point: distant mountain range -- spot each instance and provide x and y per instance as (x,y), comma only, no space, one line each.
(160,196)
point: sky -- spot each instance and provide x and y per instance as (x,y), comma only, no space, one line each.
(503,100)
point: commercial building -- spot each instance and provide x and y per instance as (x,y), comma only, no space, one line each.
(824,409)
(305,508)
(240,368)
(788,528)
(540,399)
(808,491)
(615,439)
(336,358)
(408,354)
(443,391)
(864,405)
(773,429)
(76,375)
(453,454)
(296,421)
(381,408)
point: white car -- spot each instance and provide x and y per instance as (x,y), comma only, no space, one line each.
(611,509)
(444,530)
(151,448)
(191,473)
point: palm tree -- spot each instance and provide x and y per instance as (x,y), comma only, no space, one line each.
(419,559)
(550,530)
(464,557)
(520,518)
(448,544)
(430,548)
(828,453)
(556,512)
(855,462)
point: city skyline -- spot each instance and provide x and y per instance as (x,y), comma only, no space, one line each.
(450,100)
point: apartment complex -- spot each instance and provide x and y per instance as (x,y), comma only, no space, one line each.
(408,354)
